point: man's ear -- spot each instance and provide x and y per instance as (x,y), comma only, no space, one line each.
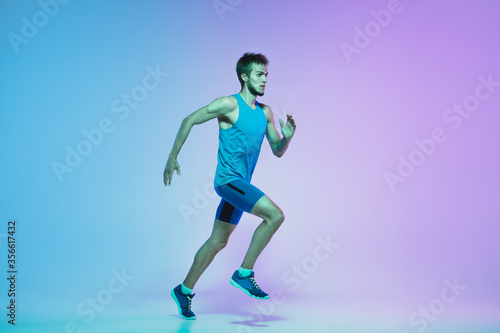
(244,77)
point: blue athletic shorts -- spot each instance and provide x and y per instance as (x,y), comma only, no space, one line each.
(237,196)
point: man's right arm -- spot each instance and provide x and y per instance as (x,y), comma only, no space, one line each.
(220,107)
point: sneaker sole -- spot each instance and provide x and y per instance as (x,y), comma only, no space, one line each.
(172,293)
(236,284)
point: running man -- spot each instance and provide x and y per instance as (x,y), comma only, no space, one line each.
(243,122)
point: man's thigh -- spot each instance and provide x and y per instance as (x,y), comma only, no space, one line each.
(240,194)
(266,209)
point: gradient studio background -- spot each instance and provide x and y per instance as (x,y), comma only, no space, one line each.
(358,114)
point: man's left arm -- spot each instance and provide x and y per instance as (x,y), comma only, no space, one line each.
(278,145)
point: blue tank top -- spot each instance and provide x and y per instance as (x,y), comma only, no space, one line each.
(239,145)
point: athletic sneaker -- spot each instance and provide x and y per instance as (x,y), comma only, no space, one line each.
(183,302)
(248,285)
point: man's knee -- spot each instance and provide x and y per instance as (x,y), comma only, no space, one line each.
(277,217)
(217,244)
(268,211)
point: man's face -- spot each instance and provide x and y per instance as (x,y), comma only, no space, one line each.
(256,83)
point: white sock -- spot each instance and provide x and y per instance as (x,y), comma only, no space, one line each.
(244,272)
(185,290)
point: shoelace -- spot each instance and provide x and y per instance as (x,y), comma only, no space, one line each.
(189,302)
(254,283)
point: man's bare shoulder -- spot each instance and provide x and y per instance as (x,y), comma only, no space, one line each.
(267,110)
(223,105)
(264,106)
